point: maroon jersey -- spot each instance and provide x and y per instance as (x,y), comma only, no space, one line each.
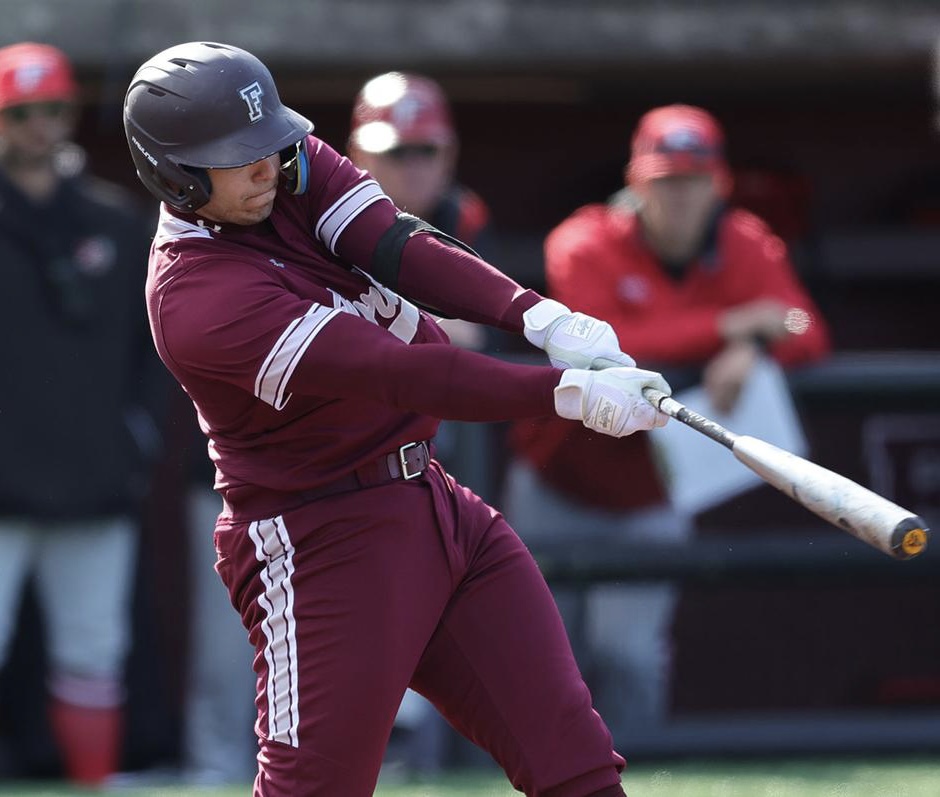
(302,367)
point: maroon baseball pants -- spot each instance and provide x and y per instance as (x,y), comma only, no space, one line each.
(350,599)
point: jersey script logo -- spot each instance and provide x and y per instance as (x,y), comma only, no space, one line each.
(383,307)
(252,95)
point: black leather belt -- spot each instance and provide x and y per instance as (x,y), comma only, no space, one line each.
(405,463)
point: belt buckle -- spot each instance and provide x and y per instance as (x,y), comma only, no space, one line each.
(402,460)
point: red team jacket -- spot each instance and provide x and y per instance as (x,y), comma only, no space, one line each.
(597,261)
(302,367)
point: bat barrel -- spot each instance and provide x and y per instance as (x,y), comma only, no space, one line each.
(853,508)
(859,511)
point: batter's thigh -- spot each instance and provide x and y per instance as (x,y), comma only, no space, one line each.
(501,670)
(340,599)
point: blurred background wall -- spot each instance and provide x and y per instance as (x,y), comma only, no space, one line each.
(830,122)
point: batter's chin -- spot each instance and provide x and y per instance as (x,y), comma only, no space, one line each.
(256,215)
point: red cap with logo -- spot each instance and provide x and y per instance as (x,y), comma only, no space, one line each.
(677,139)
(399,108)
(31,72)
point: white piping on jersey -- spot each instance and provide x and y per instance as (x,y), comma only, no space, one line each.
(279,365)
(170,228)
(344,210)
(275,551)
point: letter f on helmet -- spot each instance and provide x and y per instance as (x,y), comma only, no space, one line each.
(252,95)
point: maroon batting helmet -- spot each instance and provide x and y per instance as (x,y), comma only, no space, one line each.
(204,105)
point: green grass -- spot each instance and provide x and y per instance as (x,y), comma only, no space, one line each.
(895,777)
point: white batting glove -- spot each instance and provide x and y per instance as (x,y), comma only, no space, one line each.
(610,401)
(573,340)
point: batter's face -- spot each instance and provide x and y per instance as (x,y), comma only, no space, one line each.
(243,195)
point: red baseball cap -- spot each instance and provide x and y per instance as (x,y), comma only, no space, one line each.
(677,139)
(399,108)
(31,72)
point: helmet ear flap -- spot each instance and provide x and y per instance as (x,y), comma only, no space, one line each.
(198,189)
(182,187)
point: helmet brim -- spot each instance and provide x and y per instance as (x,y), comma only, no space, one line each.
(262,139)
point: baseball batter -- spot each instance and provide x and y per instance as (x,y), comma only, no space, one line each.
(289,297)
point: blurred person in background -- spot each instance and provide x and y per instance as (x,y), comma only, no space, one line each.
(402,132)
(78,405)
(687,283)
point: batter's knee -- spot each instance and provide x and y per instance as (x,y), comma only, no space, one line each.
(287,771)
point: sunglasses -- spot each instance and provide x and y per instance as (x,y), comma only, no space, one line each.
(412,151)
(46,110)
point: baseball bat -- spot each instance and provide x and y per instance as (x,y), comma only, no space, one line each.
(844,503)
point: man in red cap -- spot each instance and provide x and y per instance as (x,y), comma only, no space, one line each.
(687,282)
(72,255)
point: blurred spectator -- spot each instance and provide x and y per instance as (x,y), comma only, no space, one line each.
(402,133)
(77,420)
(687,282)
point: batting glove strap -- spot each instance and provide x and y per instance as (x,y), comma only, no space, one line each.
(573,340)
(610,401)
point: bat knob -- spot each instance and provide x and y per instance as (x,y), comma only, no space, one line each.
(909,537)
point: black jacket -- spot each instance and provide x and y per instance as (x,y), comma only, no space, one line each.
(81,384)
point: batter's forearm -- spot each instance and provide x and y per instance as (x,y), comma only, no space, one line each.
(434,379)
(457,284)
(462,385)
